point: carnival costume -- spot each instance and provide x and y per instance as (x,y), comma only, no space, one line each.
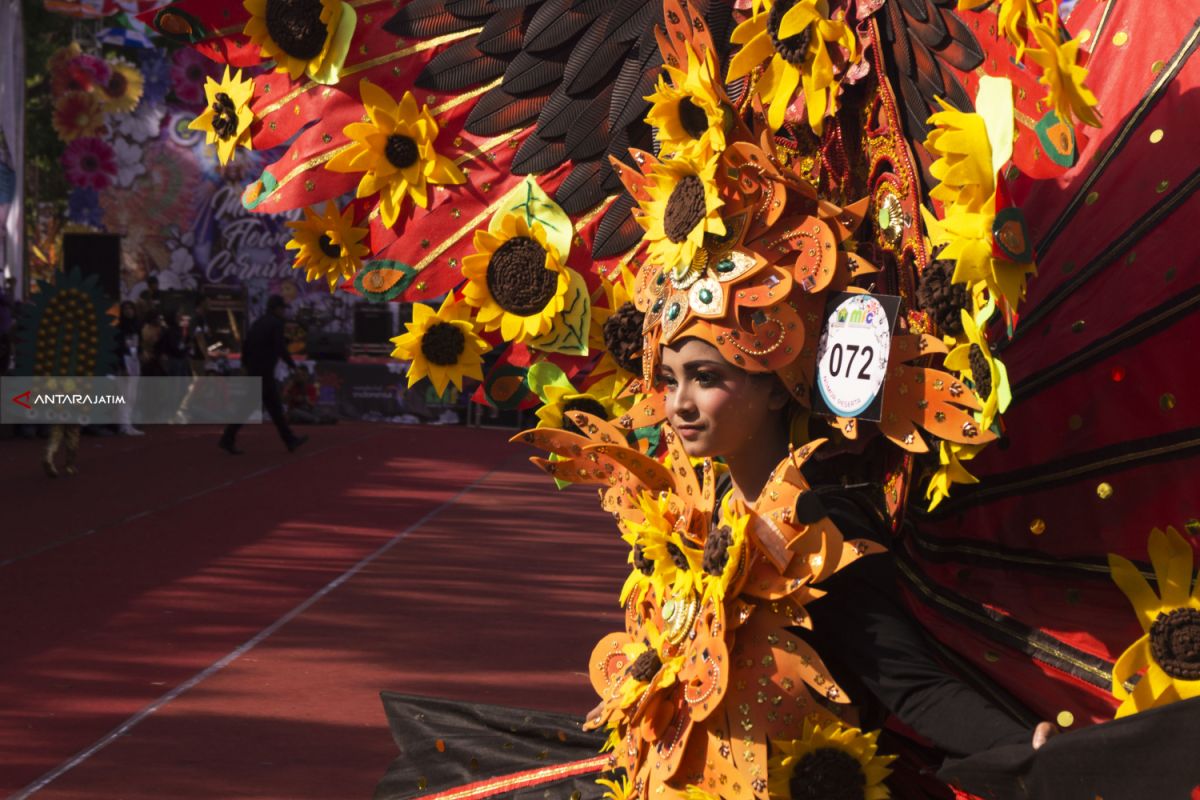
(739,174)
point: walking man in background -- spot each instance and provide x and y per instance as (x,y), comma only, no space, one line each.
(264,345)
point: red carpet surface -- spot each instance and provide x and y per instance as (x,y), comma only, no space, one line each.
(178,622)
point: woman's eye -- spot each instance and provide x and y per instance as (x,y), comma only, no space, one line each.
(706,379)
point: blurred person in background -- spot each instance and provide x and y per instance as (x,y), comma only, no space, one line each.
(129,365)
(264,346)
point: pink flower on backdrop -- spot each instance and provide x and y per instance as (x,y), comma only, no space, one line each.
(82,73)
(90,163)
(188,71)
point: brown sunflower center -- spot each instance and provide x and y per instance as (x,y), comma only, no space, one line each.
(224,121)
(716,550)
(295,25)
(328,247)
(677,556)
(981,371)
(693,118)
(623,337)
(828,774)
(116,85)
(442,344)
(685,208)
(401,151)
(518,279)
(588,405)
(646,666)
(1175,643)
(942,299)
(793,49)
(643,564)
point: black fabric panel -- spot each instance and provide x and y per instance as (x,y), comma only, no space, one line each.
(481,741)
(1146,756)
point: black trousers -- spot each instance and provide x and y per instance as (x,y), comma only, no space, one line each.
(274,407)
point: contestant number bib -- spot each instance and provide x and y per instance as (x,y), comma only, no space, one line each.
(852,355)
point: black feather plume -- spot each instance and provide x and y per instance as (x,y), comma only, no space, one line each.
(538,155)
(618,230)
(460,66)
(498,111)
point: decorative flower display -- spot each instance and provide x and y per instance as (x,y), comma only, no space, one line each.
(559,396)
(1167,656)
(973,360)
(442,345)
(689,110)
(804,47)
(72,70)
(77,114)
(328,245)
(90,163)
(297,34)
(1061,73)
(228,117)
(129,162)
(395,152)
(682,207)
(516,279)
(122,92)
(189,70)
(829,761)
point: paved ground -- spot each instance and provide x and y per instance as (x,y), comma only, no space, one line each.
(180,623)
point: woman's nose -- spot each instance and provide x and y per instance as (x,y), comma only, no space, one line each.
(679,402)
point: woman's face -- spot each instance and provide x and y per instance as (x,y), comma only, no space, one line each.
(716,408)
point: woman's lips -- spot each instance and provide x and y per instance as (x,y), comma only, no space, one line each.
(689,432)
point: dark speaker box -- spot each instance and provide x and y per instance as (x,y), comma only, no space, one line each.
(326,346)
(372,323)
(96,254)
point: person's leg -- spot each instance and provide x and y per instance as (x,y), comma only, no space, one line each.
(274,406)
(228,440)
(71,439)
(56,436)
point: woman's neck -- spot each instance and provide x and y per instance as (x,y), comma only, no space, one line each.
(752,465)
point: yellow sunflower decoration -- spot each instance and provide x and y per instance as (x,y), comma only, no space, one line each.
(974,361)
(395,152)
(795,38)
(828,761)
(678,563)
(950,471)
(442,345)
(328,244)
(688,111)
(516,278)
(1168,654)
(302,36)
(123,91)
(723,560)
(1061,73)
(683,207)
(620,789)
(228,117)
(647,670)
(1013,17)
(966,179)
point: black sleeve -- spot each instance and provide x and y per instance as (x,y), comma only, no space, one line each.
(867,631)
